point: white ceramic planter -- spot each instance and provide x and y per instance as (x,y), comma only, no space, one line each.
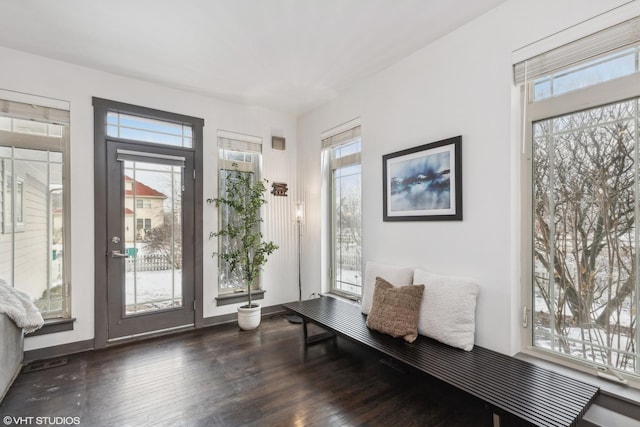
(249,318)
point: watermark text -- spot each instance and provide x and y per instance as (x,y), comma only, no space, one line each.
(8,420)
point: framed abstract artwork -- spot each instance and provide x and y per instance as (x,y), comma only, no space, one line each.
(424,183)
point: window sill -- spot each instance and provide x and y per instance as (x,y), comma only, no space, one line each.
(352,299)
(53,326)
(345,296)
(622,391)
(238,297)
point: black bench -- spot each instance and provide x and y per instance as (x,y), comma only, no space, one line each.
(509,385)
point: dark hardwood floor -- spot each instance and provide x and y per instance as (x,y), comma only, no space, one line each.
(222,376)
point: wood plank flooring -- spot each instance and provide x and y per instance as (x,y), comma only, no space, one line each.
(222,376)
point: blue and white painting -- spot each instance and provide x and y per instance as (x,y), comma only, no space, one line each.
(421,183)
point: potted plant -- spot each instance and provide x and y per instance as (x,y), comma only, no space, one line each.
(243,250)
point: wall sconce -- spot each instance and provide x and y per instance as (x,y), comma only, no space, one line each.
(279,189)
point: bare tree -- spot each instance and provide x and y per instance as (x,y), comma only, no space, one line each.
(584,229)
(166,240)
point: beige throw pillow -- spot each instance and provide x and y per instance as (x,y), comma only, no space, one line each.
(395,311)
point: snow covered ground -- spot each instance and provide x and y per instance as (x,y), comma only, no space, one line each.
(350,281)
(590,343)
(153,290)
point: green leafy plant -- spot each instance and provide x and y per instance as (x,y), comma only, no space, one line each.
(244,250)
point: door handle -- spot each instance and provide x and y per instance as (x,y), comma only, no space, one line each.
(117,254)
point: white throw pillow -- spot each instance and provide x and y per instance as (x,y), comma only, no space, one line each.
(398,276)
(448,308)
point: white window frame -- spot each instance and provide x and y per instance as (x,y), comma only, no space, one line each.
(591,97)
(332,140)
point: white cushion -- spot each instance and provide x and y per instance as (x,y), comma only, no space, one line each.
(448,308)
(397,276)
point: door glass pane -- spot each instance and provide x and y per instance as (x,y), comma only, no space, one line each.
(153,236)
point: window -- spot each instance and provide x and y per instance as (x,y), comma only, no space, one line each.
(242,154)
(582,121)
(342,155)
(588,74)
(34,157)
(137,128)
(143,203)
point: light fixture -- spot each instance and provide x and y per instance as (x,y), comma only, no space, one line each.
(299,212)
(299,221)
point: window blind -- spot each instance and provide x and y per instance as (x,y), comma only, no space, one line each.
(239,142)
(20,110)
(140,156)
(610,39)
(341,135)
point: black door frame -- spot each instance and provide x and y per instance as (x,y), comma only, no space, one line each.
(100,108)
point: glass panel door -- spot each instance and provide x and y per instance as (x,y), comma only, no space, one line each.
(150,217)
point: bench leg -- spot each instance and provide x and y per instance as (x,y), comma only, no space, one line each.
(496,420)
(308,340)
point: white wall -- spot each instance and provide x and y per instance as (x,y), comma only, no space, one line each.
(458,85)
(48,78)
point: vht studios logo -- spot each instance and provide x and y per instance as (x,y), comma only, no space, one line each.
(39,421)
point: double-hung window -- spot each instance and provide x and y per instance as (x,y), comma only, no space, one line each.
(582,169)
(34,198)
(341,151)
(242,154)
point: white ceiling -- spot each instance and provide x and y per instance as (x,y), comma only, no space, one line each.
(290,55)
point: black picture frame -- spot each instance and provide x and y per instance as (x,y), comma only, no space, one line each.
(423,183)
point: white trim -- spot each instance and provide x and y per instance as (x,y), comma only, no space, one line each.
(152,333)
(607,19)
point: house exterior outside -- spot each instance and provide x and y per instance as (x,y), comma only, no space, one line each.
(31,199)
(143,209)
